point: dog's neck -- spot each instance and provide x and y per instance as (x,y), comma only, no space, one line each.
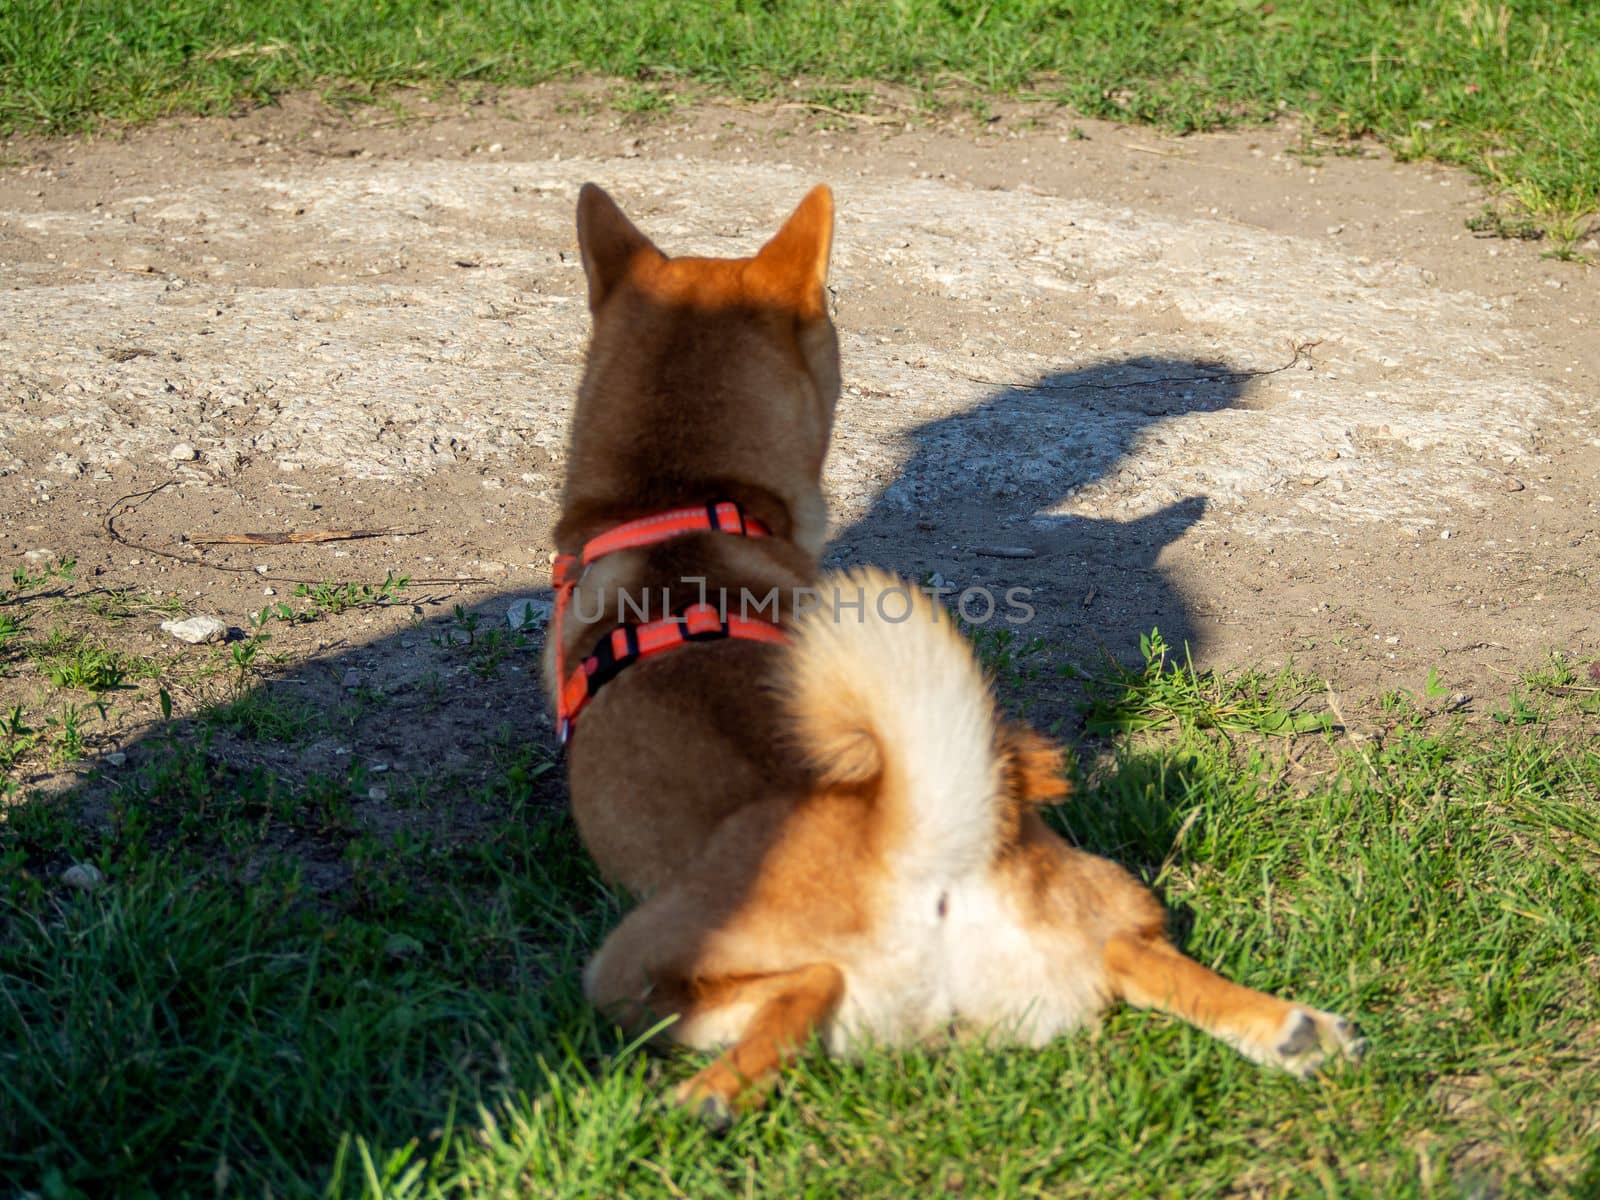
(585,517)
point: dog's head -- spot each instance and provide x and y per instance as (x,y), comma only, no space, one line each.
(707,378)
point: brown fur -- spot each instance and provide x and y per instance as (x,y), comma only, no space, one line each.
(757,829)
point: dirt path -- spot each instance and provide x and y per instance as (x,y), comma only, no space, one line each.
(1276,406)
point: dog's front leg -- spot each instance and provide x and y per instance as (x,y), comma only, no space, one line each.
(788,1008)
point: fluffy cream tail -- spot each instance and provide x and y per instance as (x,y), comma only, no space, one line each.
(885,693)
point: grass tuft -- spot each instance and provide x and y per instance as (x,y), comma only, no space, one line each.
(1164,693)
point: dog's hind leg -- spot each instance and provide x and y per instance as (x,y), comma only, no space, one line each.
(1087,926)
(658,966)
(785,1010)
(1149,972)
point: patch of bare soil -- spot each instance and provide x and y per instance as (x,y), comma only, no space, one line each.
(1276,405)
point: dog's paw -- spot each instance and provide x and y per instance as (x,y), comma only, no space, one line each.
(716,1096)
(1309,1038)
(712,1109)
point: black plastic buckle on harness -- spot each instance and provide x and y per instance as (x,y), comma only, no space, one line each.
(607,663)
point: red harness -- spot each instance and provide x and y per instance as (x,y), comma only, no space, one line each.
(631,641)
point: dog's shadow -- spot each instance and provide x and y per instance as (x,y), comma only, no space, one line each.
(1013,492)
(1020,492)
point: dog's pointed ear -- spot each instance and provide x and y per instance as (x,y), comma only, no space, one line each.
(608,241)
(798,253)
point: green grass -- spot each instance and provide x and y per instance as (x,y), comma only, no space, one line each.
(75,653)
(92,668)
(119,604)
(11,627)
(1512,92)
(331,599)
(484,649)
(1162,694)
(267,995)
(1565,684)
(17,738)
(265,713)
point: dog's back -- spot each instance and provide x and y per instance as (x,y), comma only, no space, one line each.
(707,380)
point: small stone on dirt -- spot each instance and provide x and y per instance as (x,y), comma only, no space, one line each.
(41,557)
(1513,484)
(115,759)
(352,679)
(196,630)
(83,876)
(183,452)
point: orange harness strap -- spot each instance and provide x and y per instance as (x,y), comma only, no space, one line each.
(628,643)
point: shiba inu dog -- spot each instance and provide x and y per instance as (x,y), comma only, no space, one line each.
(832,832)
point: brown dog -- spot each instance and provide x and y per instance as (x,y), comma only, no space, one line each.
(837,836)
